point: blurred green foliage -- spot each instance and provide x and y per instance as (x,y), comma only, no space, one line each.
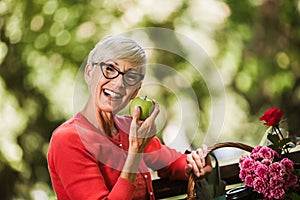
(254,43)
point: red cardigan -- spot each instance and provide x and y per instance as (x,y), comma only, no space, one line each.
(86,164)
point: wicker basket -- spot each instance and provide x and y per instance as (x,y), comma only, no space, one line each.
(191,192)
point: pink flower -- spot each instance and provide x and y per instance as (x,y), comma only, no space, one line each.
(243,158)
(288,164)
(291,181)
(266,162)
(249,179)
(256,149)
(276,182)
(262,171)
(247,164)
(242,174)
(255,153)
(276,169)
(276,193)
(264,174)
(267,153)
(260,185)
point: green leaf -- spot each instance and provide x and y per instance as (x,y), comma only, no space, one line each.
(284,141)
(273,138)
(275,148)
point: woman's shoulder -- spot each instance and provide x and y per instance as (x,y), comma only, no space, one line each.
(67,131)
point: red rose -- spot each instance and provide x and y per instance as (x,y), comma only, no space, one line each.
(272,117)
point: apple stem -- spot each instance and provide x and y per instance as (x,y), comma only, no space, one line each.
(145,98)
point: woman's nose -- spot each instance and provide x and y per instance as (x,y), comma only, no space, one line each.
(119,81)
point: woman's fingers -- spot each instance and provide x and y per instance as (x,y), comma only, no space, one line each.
(191,161)
(197,159)
(154,113)
(142,132)
(136,114)
(201,157)
(188,169)
(135,121)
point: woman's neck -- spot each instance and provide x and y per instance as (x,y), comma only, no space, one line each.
(104,121)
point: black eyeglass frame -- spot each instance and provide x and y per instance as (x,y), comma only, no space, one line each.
(101,64)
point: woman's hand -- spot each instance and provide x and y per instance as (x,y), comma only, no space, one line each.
(198,162)
(141,132)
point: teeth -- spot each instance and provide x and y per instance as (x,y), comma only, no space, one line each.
(112,94)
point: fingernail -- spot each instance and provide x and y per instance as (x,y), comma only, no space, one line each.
(198,174)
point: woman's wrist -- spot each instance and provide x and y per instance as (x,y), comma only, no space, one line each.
(135,149)
(132,162)
(131,166)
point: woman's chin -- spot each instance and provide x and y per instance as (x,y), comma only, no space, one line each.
(109,108)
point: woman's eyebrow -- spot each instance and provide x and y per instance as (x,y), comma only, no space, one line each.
(114,64)
(135,69)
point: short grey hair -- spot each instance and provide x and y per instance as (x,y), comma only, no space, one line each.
(113,47)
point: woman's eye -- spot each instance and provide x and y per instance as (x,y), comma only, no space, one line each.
(110,68)
(131,76)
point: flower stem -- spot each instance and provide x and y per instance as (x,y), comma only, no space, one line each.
(277,130)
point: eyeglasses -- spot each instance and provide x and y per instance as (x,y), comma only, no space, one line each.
(110,72)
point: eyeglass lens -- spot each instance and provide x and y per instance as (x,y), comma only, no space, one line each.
(129,77)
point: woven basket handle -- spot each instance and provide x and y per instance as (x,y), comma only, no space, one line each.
(191,192)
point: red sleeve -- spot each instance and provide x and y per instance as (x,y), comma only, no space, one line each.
(75,172)
(166,161)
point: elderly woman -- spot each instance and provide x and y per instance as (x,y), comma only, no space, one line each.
(100,155)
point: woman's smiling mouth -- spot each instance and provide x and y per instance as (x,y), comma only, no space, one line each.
(112,94)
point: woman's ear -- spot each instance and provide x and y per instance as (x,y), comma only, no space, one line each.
(88,73)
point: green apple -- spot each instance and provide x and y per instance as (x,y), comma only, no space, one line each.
(146,106)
